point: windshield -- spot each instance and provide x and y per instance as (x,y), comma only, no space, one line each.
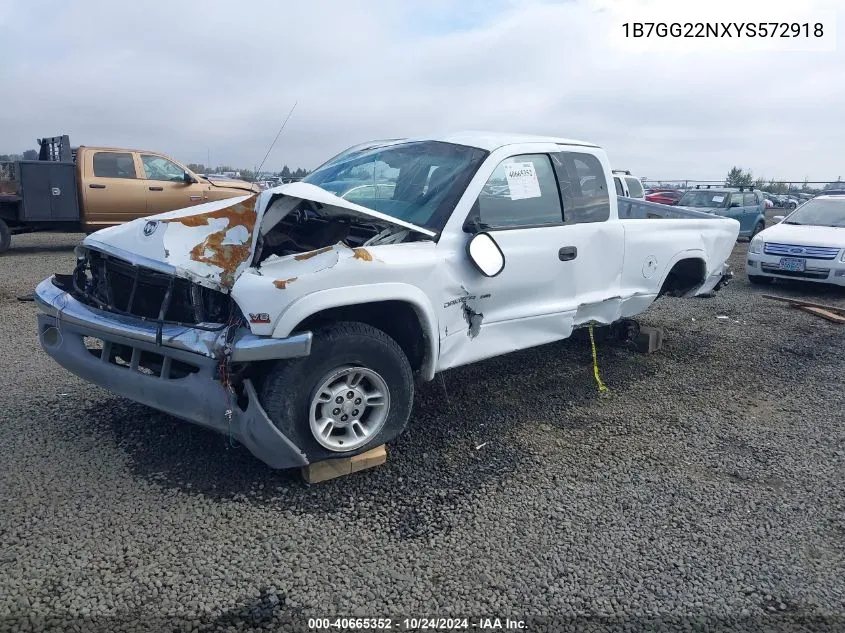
(830,212)
(709,199)
(418,182)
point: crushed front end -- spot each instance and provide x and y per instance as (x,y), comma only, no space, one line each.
(137,329)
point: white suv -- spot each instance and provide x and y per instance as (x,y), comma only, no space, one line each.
(627,185)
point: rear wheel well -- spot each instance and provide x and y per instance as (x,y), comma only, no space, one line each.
(686,275)
(397,319)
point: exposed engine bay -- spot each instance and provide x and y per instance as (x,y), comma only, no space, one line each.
(308,227)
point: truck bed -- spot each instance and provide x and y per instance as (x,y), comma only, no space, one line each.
(636,209)
(41,191)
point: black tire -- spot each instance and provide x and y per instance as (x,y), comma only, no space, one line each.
(757,228)
(760,280)
(288,388)
(5,237)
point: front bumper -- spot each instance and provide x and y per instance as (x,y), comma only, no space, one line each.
(179,376)
(819,270)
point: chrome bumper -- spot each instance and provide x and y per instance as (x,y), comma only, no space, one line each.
(186,382)
(246,346)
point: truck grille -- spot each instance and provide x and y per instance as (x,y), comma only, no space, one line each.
(795,250)
(138,360)
(113,284)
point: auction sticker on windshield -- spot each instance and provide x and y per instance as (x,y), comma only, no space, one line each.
(718,198)
(522,181)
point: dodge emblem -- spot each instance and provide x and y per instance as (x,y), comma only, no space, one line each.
(150,227)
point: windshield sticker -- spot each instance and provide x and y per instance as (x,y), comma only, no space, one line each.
(718,198)
(522,181)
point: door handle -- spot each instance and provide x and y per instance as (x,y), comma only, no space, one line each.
(97,186)
(156,188)
(567,253)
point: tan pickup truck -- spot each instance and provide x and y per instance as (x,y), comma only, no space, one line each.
(90,188)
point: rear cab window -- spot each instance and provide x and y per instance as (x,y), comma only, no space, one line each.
(114,165)
(635,189)
(583,187)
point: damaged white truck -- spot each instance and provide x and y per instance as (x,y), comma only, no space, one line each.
(295,319)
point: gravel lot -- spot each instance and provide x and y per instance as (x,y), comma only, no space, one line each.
(706,490)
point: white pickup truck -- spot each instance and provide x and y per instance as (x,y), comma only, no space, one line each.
(295,319)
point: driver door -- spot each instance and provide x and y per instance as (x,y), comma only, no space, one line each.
(166,188)
(532,300)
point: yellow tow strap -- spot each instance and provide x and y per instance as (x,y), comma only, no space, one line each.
(602,386)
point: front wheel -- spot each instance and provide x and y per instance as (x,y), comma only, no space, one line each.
(759,280)
(757,228)
(352,393)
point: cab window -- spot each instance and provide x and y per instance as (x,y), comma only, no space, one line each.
(520,192)
(583,187)
(114,165)
(618,182)
(635,190)
(750,200)
(158,168)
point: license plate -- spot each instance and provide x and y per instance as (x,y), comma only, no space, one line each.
(795,264)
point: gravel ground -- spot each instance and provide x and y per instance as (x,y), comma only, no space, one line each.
(705,491)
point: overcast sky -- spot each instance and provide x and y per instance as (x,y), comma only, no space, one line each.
(187,78)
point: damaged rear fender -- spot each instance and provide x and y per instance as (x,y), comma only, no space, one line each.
(691,254)
(315,302)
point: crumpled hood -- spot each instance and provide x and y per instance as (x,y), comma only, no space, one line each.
(804,235)
(212,243)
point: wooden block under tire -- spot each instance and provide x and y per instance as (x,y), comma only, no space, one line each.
(650,339)
(334,468)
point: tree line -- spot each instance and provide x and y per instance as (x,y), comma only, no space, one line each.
(739,177)
(30,154)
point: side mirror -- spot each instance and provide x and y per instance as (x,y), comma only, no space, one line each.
(778,218)
(485,253)
(189,180)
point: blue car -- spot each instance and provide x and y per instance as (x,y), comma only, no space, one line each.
(743,204)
